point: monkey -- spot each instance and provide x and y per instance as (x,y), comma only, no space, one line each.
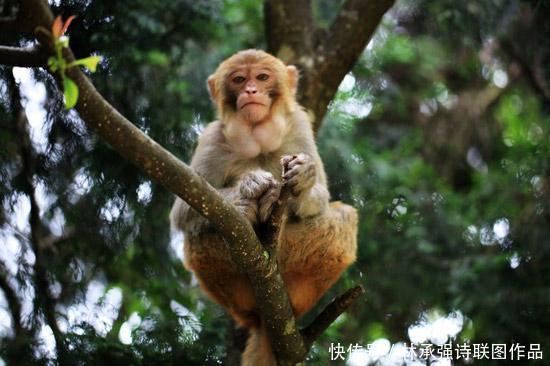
(261,128)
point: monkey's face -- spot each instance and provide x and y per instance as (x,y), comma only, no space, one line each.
(252,87)
(251,90)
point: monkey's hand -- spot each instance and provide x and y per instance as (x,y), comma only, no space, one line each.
(299,172)
(262,189)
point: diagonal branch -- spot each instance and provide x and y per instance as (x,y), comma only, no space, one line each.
(23,57)
(348,36)
(352,29)
(330,313)
(177,177)
(323,57)
(346,39)
(245,248)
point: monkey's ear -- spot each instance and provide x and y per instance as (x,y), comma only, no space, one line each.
(211,82)
(292,78)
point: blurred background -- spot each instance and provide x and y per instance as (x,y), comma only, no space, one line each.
(439,135)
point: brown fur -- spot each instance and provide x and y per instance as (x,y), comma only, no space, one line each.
(243,161)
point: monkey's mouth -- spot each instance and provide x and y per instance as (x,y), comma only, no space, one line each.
(252,103)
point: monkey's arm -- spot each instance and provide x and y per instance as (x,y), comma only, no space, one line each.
(306,175)
(311,195)
(210,162)
(311,203)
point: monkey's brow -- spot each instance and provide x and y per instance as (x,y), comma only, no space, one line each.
(237,71)
(247,67)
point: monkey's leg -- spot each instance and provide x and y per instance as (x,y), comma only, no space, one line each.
(315,251)
(208,257)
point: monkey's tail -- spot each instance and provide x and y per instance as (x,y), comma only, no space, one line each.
(258,349)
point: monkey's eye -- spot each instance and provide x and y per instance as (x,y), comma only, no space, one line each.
(262,77)
(238,79)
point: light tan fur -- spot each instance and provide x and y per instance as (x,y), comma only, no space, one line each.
(240,155)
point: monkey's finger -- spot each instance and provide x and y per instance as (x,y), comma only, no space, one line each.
(286,158)
(267,185)
(301,182)
(296,170)
(249,189)
(267,201)
(271,195)
(301,159)
(304,177)
(259,177)
(305,169)
(256,183)
(265,210)
(292,182)
(248,208)
(290,174)
(294,164)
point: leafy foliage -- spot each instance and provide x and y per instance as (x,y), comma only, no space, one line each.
(58,64)
(439,136)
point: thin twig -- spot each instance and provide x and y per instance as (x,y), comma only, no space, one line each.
(330,313)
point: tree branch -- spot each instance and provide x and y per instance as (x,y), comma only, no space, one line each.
(245,248)
(22,57)
(323,61)
(287,26)
(353,27)
(347,37)
(177,177)
(28,15)
(330,313)
(166,169)
(8,23)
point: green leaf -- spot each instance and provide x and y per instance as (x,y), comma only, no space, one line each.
(89,62)
(70,91)
(53,64)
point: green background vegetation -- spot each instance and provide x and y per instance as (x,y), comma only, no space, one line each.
(440,136)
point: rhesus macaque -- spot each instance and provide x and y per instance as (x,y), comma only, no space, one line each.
(260,127)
